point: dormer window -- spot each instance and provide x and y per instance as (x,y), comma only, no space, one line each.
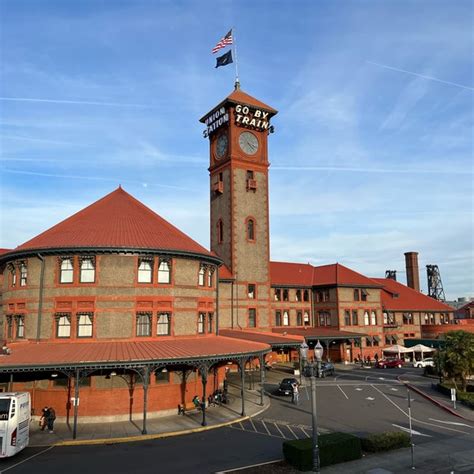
(66,270)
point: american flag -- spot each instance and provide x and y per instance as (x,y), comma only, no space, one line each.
(223,42)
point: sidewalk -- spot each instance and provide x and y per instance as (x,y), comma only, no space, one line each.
(161,427)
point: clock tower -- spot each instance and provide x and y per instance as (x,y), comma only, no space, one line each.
(238,130)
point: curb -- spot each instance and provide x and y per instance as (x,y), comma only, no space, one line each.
(169,434)
(433,400)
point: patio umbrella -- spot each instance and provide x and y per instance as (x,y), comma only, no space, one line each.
(421,348)
(397,349)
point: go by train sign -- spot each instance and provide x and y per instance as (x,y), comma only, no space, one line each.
(256,119)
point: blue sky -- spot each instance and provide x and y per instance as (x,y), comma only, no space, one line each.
(373,150)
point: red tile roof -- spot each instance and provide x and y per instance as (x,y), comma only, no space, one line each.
(27,354)
(321,332)
(118,220)
(225,273)
(263,336)
(2,251)
(241,97)
(294,274)
(304,274)
(408,298)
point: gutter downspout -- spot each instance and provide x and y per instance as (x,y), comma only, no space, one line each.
(40,298)
(232,304)
(217,300)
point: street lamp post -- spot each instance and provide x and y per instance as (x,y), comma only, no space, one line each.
(303,356)
(313,370)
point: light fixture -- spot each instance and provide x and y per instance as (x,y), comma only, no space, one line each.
(113,373)
(318,351)
(304,350)
(54,375)
(164,369)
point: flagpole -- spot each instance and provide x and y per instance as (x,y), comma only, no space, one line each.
(234,44)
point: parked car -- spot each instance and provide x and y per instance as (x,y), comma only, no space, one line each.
(327,369)
(428,362)
(285,386)
(389,363)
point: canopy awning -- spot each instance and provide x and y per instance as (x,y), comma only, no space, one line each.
(396,349)
(421,348)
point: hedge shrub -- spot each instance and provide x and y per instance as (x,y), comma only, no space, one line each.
(333,448)
(385,441)
(466,398)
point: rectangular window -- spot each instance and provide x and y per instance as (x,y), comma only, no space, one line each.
(355,318)
(306,295)
(366,318)
(251,291)
(63,325)
(164,271)
(324,318)
(407,318)
(201,323)
(250,174)
(201,275)
(84,324)
(373,318)
(23,274)
(252,318)
(277,294)
(20,326)
(145,270)
(162,376)
(325,295)
(356,295)
(12,274)
(286,295)
(363,295)
(66,270)
(347,317)
(306,320)
(298,295)
(368,341)
(286,318)
(277,318)
(144,324)
(210,318)
(299,318)
(376,341)
(87,270)
(163,324)
(209,278)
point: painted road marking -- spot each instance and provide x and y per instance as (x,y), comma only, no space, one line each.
(265,426)
(27,459)
(451,423)
(407,430)
(414,419)
(253,426)
(292,432)
(344,393)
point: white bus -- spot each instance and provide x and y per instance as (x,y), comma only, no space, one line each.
(15,410)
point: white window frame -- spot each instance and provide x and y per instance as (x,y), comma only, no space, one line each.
(201,323)
(164,271)
(23,274)
(87,270)
(84,324)
(63,331)
(145,271)
(202,276)
(66,270)
(163,324)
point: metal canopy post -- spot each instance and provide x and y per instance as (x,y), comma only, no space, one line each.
(262,377)
(203,369)
(242,384)
(77,381)
(145,373)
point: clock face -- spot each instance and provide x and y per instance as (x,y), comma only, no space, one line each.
(248,142)
(221,145)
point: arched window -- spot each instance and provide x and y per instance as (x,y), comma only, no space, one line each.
(250,229)
(220,232)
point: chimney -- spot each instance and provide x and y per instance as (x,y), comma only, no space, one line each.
(413,274)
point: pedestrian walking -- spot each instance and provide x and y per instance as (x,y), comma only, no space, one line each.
(51,417)
(295,393)
(43,419)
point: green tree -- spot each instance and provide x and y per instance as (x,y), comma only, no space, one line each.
(456,359)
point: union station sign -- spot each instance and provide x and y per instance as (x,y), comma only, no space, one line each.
(256,119)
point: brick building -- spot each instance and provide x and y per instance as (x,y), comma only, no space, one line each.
(116,297)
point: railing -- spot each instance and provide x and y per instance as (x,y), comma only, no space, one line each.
(251,184)
(218,187)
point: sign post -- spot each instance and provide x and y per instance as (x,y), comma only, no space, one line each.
(453,397)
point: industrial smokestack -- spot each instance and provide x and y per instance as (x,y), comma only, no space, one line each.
(413,274)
